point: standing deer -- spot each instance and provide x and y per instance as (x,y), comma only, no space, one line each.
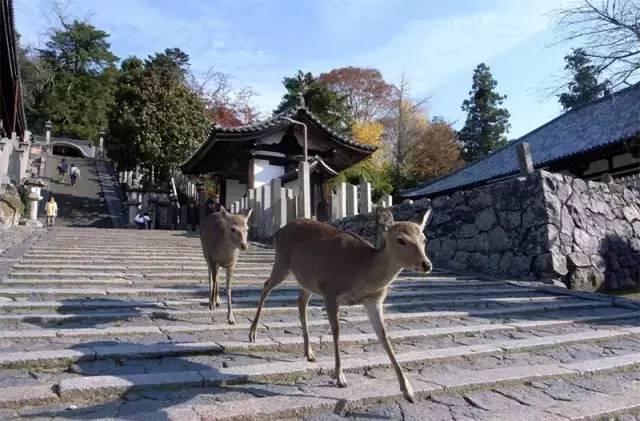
(222,235)
(345,269)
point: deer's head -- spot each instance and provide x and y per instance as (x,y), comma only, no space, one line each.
(405,241)
(236,227)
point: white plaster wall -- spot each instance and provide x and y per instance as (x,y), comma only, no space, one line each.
(263,172)
(235,191)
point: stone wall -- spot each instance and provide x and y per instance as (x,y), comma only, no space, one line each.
(499,229)
(599,233)
(548,227)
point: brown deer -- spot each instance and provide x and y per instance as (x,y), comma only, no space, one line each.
(345,269)
(222,235)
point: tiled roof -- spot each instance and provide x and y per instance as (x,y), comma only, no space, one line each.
(277,120)
(274,122)
(606,121)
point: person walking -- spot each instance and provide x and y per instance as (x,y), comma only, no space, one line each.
(51,209)
(63,169)
(74,174)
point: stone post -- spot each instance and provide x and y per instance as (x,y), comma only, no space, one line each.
(352,200)
(266,211)
(365,197)
(292,205)
(524,158)
(257,212)
(386,201)
(278,206)
(251,204)
(342,200)
(304,191)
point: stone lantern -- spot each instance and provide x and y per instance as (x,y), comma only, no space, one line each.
(35,187)
(47,127)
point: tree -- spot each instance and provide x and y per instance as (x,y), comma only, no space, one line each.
(330,107)
(584,86)
(486,124)
(434,152)
(405,120)
(610,34)
(373,169)
(157,120)
(224,105)
(71,81)
(368,96)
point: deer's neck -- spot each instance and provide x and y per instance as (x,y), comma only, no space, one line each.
(384,268)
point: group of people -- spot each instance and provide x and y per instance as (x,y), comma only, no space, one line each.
(64,168)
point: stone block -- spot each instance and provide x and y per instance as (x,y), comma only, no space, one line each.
(486,219)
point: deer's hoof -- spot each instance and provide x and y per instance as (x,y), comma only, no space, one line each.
(311,358)
(341,380)
(252,334)
(408,394)
(231,320)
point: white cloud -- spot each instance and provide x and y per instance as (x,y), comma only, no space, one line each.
(431,50)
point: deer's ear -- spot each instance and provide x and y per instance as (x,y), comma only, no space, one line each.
(249,212)
(425,218)
(224,212)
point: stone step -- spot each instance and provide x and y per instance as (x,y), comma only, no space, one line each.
(105,387)
(450,397)
(65,357)
(191,291)
(402,284)
(189,313)
(122,331)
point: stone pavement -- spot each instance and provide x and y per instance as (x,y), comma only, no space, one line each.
(113,324)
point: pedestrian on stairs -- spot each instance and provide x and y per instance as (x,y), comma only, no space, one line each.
(74,174)
(51,210)
(63,169)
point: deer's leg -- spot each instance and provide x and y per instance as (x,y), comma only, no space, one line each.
(303,301)
(332,311)
(230,317)
(213,283)
(278,275)
(376,316)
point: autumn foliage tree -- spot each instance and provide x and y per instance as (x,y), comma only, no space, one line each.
(368,96)
(434,152)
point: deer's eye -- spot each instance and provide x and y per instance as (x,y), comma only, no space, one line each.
(234,230)
(402,241)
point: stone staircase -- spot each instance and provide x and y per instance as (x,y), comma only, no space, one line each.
(113,324)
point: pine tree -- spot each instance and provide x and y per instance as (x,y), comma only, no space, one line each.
(584,86)
(330,107)
(486,124)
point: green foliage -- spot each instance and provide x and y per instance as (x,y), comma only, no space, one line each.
(486,124)
(71,81)
(330,107)
(380,177)
(157,120)
(584,86)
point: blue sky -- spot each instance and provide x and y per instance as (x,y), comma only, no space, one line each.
(258,42)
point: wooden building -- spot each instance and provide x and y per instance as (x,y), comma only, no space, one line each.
(250,156)
(597,140)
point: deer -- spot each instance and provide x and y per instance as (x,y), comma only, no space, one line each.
(223,235)
(345,269)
